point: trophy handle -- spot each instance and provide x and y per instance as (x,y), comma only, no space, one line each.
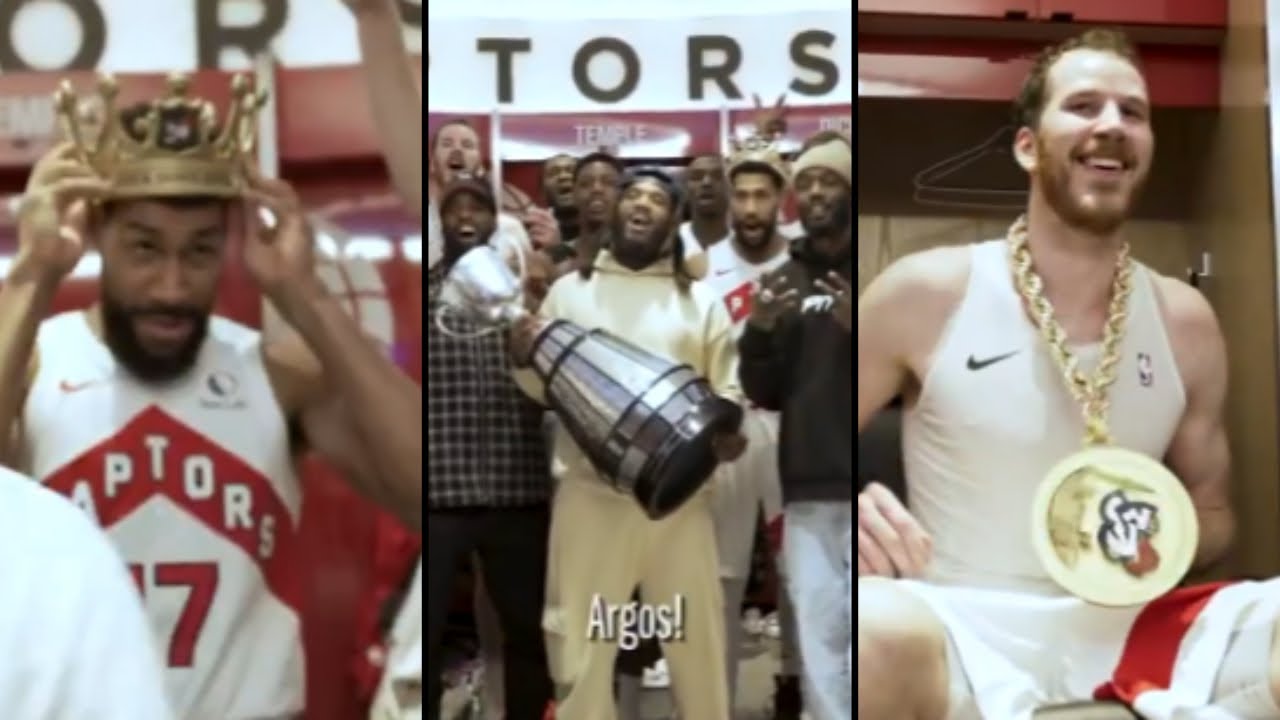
(458,334)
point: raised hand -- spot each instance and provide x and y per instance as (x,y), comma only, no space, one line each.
(53,217)
(280,254)
(842,293)
(890,541)
(772,299)
(540,223)
(771,122)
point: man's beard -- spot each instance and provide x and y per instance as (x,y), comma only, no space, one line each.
(837,221)
(755,243)
(1055,179)
(639,254)
(119,334)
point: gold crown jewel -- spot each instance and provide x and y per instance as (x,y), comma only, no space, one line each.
(172,146)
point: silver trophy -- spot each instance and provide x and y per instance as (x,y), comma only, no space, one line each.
(645,423)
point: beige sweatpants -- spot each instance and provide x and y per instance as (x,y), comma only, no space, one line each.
(601,547)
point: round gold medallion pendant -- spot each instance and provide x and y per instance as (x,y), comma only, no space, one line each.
(1114,527)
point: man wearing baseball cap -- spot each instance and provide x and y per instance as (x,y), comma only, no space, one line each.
(796,355)
(488,485)
(602,543)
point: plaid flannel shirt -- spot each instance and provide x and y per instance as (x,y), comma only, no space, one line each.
(485,446)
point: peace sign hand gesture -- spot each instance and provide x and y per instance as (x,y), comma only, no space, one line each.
(842,293)
(771,300)
(771,123)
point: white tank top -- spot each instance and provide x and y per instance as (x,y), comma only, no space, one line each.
(994,415)
(194,482)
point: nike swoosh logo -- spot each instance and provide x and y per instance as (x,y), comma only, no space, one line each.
(722,272)
(70,387)
(976,364)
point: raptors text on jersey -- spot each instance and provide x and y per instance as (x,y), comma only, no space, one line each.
(194,483)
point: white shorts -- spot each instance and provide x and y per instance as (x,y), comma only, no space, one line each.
(741,488)
(1020,652)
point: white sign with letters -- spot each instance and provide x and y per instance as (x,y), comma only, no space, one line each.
(674,63)
(147,36)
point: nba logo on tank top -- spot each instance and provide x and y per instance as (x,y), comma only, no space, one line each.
(194,482)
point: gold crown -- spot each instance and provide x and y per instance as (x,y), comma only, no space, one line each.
(757,151)
(172,146)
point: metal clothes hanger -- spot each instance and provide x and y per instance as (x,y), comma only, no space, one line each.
(930,187)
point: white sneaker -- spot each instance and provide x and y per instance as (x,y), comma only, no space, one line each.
(656,675)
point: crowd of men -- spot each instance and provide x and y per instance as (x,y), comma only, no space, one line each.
(698,269)
(177,432)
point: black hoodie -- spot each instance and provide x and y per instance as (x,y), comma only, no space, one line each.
(804,368)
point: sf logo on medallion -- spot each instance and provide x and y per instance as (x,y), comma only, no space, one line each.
(1125,534)
(1125,527)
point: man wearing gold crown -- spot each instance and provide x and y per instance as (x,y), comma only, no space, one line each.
(1009,353)
(175,429)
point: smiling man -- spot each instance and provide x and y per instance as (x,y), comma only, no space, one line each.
(177,430)
(488,483)
(990,344)
(455,152)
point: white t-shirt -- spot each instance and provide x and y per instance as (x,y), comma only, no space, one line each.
(74,642)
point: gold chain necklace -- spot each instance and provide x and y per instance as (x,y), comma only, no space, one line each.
(1110,525)
(1091,392)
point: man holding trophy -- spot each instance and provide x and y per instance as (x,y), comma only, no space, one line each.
(489,485)
(637,360)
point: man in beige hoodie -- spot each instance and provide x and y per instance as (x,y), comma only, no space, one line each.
(602,544)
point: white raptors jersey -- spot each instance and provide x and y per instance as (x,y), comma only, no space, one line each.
(994,415)
(194,482)
(735,279)
(751,481)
